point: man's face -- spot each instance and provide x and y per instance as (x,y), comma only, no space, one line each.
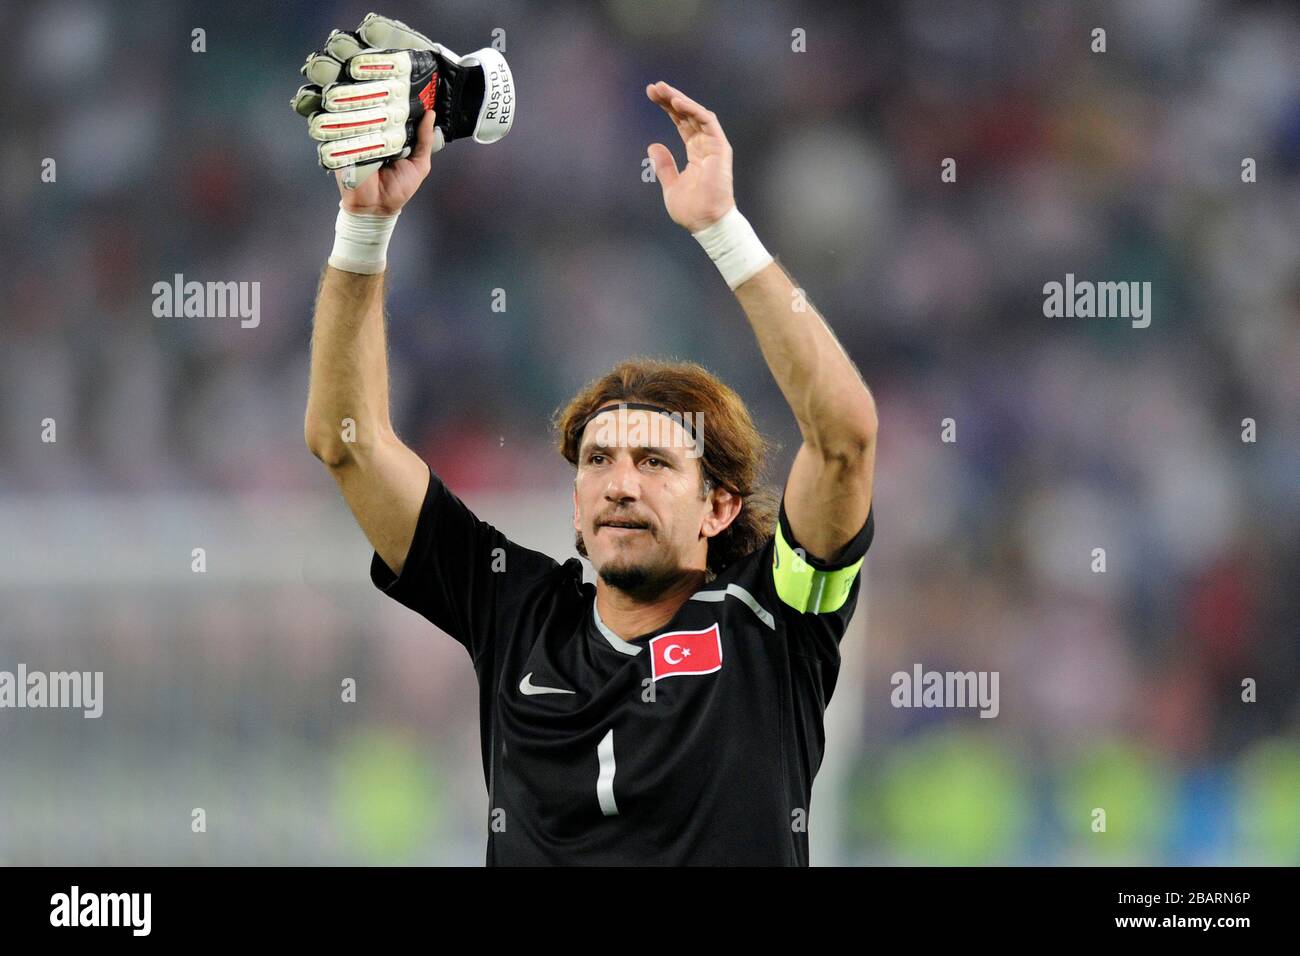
(638,504)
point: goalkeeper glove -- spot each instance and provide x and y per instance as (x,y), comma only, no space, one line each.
(367,90)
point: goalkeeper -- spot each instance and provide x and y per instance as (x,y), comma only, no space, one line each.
(672,713)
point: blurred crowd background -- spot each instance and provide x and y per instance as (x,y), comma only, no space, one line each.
(1119,690)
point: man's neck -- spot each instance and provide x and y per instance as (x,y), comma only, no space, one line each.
(630,618)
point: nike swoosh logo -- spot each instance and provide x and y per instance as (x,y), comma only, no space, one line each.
(526,686)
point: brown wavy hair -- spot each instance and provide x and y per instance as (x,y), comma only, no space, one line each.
(734,451)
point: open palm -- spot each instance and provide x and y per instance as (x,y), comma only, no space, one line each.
(700,194)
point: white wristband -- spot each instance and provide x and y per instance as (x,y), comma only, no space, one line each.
(361,241)
(734,248)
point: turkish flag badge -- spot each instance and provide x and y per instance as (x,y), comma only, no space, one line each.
(686,652)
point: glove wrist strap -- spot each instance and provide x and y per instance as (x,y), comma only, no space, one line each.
(734,248)
(361,241)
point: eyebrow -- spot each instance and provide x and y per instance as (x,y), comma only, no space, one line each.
(646,451)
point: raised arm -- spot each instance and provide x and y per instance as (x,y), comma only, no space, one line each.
(828,494)
(347,423)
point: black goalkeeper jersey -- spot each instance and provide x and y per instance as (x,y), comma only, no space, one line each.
(694,744)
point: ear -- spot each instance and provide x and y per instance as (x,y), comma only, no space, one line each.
(576,525)
(724,507)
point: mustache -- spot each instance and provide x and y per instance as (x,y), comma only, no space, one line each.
(626,520)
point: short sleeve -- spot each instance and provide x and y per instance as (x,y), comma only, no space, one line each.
(817,597)
(460,573)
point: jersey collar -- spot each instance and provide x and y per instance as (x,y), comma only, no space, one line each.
(616,642)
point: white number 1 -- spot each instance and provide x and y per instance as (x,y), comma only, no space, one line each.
(605,779)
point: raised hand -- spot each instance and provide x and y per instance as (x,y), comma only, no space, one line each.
(394,183)
(700,194)
(368,97)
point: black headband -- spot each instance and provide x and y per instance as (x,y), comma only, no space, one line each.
(678,417)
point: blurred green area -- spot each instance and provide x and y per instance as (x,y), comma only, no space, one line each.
(951,797)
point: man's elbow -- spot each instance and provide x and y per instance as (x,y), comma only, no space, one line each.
(854,437)
(867,414)
(328,447)
(336,448)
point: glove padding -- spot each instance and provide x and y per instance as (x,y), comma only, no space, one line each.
(368,90)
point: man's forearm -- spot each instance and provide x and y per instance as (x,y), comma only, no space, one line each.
(349,367)
(834,409)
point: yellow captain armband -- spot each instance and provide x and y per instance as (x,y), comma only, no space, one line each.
(805,588)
